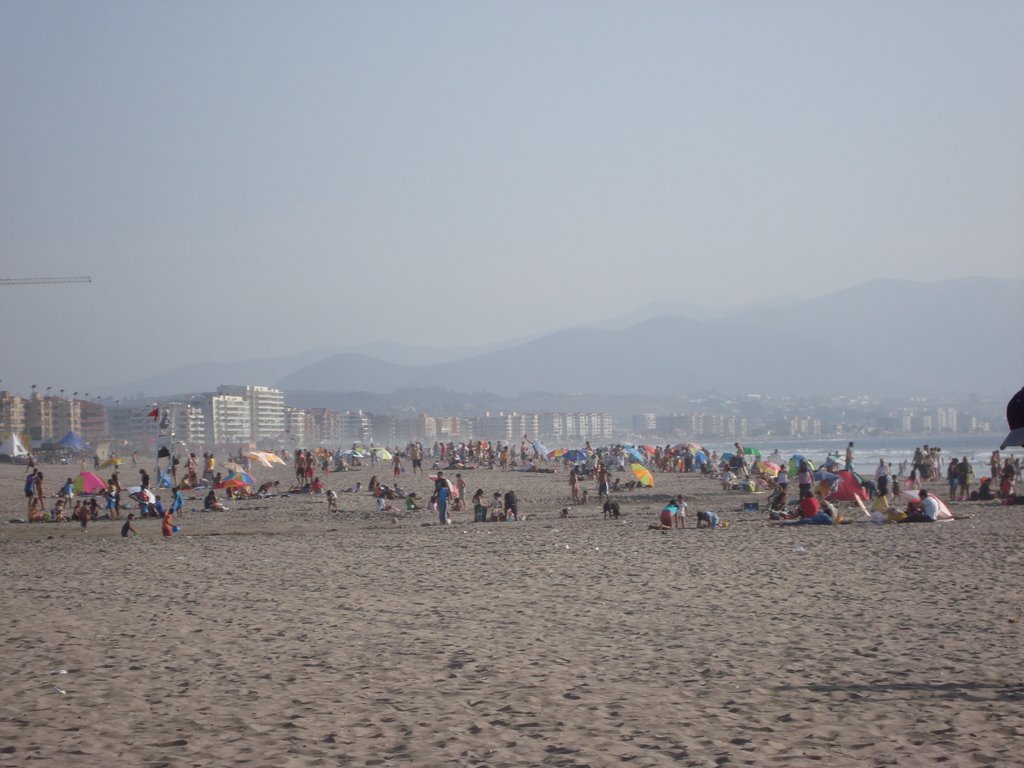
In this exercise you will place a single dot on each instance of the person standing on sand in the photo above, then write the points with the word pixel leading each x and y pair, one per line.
pixel 396 465
pixel 602 482
pixel 511 506
pixel 849 457
pixel 574 485
pixel 40 493
pixel 442 492
pixel 966 473
pixel 953 477
pixel 30 489
pixel 127 527
pixel 167 526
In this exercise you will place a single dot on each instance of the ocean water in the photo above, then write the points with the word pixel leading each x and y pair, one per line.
pixel 868 450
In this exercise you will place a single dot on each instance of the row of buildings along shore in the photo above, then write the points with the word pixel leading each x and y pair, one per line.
pixel 257 416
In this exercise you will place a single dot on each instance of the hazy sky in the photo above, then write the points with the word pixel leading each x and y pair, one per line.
pixel 245 178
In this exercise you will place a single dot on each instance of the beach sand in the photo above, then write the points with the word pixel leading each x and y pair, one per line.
pixel 277 634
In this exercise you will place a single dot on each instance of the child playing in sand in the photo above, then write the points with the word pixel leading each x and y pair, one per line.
pixel 332 501
pixel 497 508
pixel 127 527
pixel 728 478
pixel 709 519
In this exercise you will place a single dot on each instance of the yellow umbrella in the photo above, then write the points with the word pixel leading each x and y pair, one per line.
pixel 643 474
pixel 266 458
pixel 383 454
pixel 113 461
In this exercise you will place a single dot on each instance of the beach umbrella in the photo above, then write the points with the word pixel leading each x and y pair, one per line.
pixel 231 466
pixel 89 484
pixel 794 463
pixel 452 489
pixel 354 454
pixel 752 452
pixel 767 468
pixel 239 477
pixel 700 457
pixel 683 446
pixel 576 454
pixel 633 454
pixel 382 454
pixel 558 453
pixel 232 482
pixel 138 494
pixel 113 461
pixel 266 458
pixel 726 456
pixel 651 450
pixel 643 474
pixel 822 476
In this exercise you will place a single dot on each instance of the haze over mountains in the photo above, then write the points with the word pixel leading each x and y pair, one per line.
pixel 884 337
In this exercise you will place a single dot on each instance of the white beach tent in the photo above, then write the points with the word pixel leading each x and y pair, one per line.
pixel 12 447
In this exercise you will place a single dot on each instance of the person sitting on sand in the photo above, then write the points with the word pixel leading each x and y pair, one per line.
pixel 317 487
pixel 811 512
pixel 410 503
pixel 355 488
pixel 928 511
pixel 777 501
pixel 728 478
pixel 210 503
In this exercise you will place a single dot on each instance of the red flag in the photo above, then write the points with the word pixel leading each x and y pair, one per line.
pixel 154 414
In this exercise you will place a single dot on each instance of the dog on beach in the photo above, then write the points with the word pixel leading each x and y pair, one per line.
pixel 611 509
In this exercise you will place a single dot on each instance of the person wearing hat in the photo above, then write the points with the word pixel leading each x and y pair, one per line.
pixel 1015 419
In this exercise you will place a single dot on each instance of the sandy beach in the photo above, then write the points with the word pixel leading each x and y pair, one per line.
pixel 277 634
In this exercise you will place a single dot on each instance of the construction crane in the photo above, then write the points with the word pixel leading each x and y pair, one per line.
pixel 35 280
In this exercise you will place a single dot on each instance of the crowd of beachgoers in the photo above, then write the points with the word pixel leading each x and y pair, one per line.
pixel 889 492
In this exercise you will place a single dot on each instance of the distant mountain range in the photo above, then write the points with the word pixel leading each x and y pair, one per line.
pixel 884 337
